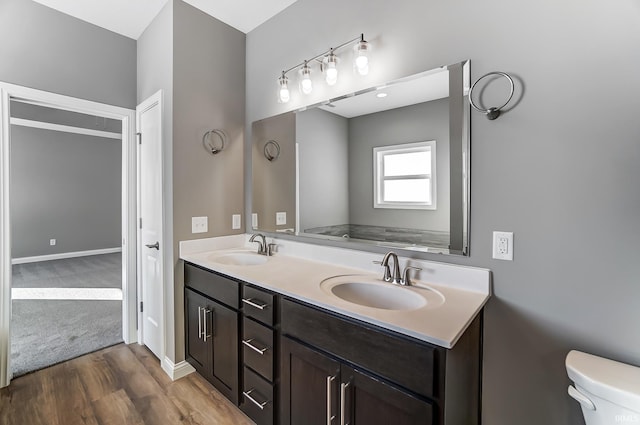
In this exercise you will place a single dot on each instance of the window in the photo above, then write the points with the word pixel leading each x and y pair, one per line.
pixel 405 176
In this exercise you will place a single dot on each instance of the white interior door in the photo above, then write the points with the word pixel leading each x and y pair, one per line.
pixel 150 242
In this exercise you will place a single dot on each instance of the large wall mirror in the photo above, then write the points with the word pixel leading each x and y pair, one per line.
pixel 387 166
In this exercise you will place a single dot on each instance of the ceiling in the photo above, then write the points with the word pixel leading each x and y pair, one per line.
pixel 131 17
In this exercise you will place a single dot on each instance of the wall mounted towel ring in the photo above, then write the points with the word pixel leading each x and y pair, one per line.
pixel 210 145
pixel 492 113
pixel 271 150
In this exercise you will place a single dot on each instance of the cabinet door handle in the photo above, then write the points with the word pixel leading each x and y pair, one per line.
pixel 199 322
pixel 252 303
pixel 330 417
pixel 247 394
pixel 206 335
pixel 343 402
pixel 248 343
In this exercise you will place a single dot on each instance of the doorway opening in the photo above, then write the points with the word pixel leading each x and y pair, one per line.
pixel 66 192
pixel 114 260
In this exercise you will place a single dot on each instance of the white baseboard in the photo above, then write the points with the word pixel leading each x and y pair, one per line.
pixel 176 371
pixel 63 255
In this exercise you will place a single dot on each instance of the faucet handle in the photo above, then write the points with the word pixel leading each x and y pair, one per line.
pixel 387 271
pixel 406 277
pixel 271 248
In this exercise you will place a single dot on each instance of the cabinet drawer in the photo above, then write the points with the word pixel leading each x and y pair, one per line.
pixel 409 363
pixel 257 398
pixel 258 304
pixel 257 348
pixel 213 285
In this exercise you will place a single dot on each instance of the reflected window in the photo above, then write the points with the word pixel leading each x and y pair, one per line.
pixel 405 176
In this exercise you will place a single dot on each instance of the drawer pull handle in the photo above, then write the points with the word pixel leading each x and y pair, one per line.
pixel 249 344
pixel 252 303
pixel 247 394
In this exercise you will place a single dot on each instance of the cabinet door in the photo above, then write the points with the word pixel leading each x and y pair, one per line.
pixel 222 325
pixel 368 401
pixel 310 383
pixel 198 350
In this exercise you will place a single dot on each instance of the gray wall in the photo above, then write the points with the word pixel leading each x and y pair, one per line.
pixel 64 186
pixel 559 169
pixel 323 153
pixel 199 64
pixel 51 51
pixel 275 180
pixel 416 123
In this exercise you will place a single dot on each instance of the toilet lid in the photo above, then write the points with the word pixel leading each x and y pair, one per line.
pixel 616 382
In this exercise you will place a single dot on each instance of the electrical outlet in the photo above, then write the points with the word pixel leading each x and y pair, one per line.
pixel 52 242
pixel 254 220
pixel 281 218
pixel 503 246
pixel 236 221
pixel 199 224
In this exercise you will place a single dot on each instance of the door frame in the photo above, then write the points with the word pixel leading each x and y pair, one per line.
pixel 150 102
pixel 127 117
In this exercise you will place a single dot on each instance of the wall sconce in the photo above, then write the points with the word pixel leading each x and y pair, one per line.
pixel 328 61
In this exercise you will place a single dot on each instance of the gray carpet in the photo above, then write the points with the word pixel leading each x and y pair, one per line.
pixel 46 332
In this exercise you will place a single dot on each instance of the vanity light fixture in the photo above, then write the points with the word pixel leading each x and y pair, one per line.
pixel 328 61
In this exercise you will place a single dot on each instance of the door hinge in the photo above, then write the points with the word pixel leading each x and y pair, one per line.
pixel 141 222
pixel 141 309
pixel 139 138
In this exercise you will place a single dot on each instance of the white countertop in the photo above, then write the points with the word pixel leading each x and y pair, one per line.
pixel 300 278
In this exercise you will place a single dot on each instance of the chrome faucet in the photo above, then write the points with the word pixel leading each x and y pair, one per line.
pixel 388 277
pixel 396 277
pixel 263 248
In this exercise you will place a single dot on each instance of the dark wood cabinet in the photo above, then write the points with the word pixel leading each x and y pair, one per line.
pixel 211 333
pixel 337 370
pixel 319 389
pixel 283 361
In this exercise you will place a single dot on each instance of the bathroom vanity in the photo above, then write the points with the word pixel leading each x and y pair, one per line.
pixel 270 335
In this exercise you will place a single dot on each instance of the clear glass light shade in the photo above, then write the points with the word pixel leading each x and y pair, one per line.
pixel 361 57
pixel 330 63
pixel 306 86
pixel 283 89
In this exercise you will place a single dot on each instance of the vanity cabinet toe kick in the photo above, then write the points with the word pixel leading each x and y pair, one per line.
pixel 298 364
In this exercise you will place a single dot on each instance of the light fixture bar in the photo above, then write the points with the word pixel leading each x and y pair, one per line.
pixel 360 38
pixel 328 61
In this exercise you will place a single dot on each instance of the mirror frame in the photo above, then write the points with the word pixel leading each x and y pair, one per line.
pixel 384 246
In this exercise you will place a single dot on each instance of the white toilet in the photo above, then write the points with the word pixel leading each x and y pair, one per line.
pixel 608 391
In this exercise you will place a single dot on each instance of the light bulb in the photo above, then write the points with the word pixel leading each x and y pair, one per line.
pixel 361 59
pixel 283 89
pixel 305 82
pixel 330 69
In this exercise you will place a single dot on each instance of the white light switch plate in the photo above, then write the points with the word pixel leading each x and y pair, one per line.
pixel 254 220
pixel 503 246
pixel 281 218
pixel 199 224
pixel 236 221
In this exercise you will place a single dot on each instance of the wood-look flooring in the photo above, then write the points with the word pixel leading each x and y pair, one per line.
pixel 120 385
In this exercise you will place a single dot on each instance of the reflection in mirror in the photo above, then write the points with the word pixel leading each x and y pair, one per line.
pixel 386 166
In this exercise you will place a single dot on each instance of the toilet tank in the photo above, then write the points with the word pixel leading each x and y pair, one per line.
pixel 608 391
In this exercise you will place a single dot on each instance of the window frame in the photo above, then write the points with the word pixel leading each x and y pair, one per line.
pixel 378 177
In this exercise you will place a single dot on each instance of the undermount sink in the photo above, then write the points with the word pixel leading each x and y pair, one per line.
pixel 239 258
pixel 375 293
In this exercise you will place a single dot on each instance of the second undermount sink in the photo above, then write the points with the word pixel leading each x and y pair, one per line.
pixel 238 258
pixel 374 293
